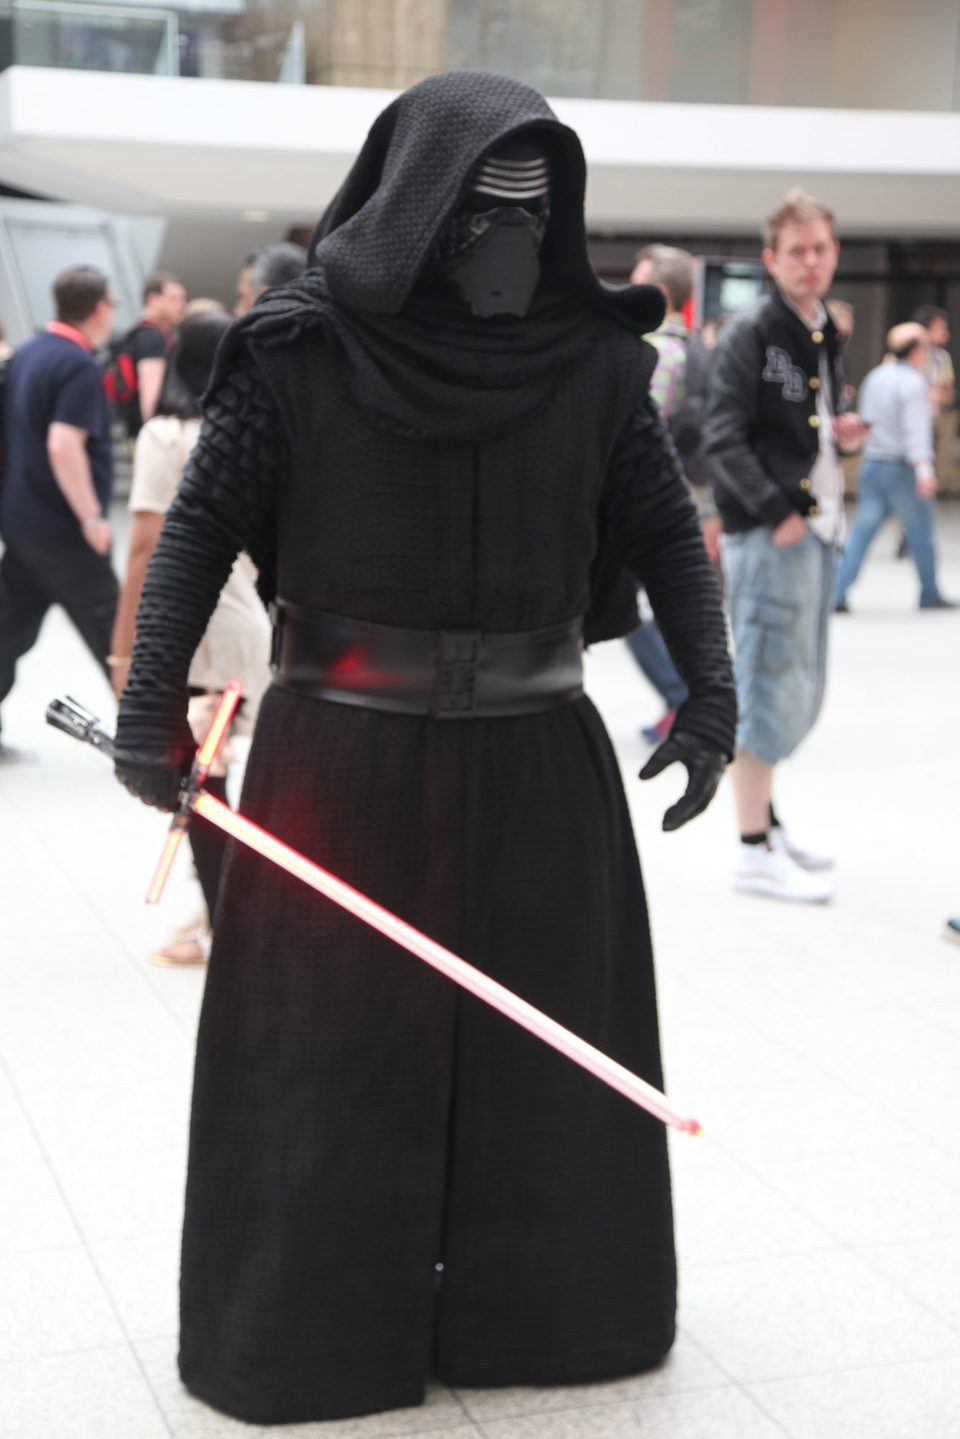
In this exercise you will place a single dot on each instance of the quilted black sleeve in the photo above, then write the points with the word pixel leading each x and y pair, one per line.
pixel 226 503
pixel 656 526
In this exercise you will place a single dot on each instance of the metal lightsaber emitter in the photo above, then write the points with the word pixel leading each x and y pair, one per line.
pixel 71 717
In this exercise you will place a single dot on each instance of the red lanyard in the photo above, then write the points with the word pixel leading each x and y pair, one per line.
pixel 67 332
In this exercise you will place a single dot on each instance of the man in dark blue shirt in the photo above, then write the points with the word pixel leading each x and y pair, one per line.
pixel 57 479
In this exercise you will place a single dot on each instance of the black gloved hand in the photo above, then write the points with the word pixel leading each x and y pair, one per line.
pixel 705 766
pixel 154 775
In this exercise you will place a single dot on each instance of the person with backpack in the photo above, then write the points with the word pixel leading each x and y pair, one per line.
pixel 138 361
pixel 679 387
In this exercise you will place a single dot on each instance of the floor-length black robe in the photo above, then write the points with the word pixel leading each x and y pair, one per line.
pixel 357 1121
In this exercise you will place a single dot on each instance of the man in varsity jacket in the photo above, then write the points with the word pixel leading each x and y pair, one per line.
pixel 773 434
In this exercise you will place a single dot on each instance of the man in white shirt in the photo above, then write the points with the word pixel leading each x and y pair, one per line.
pixel 897 476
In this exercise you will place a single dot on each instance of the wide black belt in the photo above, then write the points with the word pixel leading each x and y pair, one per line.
pixel 450 674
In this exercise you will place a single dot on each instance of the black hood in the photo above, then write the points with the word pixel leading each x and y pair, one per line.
pixel 412 363
pixel 375 237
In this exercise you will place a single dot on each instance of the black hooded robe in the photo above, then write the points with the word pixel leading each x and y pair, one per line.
pixel 358 1122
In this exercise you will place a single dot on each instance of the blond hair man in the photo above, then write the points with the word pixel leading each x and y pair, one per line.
pixel 773 434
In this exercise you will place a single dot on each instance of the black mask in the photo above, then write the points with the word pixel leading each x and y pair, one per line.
pixel 489 247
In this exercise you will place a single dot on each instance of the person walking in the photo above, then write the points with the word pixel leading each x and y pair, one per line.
pixel 897 476
pixel 679 388
pixel 940 373
pixel 772 432
pixel 58 480
pixel 138 362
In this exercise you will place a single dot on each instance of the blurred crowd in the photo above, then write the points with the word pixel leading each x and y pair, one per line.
pixel 763 416
pixel 759 410
pixel 73 397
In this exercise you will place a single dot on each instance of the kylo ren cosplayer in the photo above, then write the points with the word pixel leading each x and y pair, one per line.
pixel 438 447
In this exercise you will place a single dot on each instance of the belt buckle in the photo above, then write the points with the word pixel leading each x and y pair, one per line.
pixel 455 687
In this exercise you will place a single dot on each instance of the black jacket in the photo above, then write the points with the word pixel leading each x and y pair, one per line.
pixel 762 429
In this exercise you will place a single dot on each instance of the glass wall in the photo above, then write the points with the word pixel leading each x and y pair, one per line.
pixel 872 54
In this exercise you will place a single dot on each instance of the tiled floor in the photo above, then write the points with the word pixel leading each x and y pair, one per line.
pixel 818 1217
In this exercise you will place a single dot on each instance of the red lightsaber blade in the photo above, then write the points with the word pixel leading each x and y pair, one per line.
pixel 462 973
pixel 73 719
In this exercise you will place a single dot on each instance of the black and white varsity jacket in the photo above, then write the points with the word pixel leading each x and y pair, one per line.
pixel 762 430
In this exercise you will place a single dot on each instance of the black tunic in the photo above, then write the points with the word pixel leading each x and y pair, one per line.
pixel 357 1121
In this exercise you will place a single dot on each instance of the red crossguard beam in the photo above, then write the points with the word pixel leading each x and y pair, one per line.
pixel 205 757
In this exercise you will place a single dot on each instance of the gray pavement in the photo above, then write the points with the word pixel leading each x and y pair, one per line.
pixel 818 1217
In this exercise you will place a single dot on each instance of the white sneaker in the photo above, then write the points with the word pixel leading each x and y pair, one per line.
pixel 768 869
pixel 800 853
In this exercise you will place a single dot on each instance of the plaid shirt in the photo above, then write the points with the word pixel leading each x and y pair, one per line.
pixel 669 389
pixel 669 386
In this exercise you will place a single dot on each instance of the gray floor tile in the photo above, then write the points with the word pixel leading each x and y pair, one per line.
pixel 119 1044
pixel 925 1095
pixel 112 1053
pixel 929 1269
pixel 817 1116
pixel 797 985
pixel 713 1414
pixel 107 1120
pixel 98 1395
pixel 142 1278
pixel 35 1213
pixel 735 1053
pixel 440 1416
pixel 686 1005
pixel 180 990
pixel 126 1196
pixel 883 1196
pixel 872 1045
pixel 685 1369
pixel 53 1302
pixel 781 1317
pixel 16 1136
pixel 724 1213
pixel 901 1401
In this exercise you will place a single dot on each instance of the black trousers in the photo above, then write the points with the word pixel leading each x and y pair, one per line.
pixel 34 577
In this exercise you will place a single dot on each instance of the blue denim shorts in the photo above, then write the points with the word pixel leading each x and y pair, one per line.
pixel 779 602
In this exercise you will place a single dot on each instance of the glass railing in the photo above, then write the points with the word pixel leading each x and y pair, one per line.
pixel 94 37
pixel 833 53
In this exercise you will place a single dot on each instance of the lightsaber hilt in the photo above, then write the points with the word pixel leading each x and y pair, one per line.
pixel 69 715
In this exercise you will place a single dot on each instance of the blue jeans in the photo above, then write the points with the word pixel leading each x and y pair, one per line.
pixel 888 487
pixel 649 649
pixel 779 601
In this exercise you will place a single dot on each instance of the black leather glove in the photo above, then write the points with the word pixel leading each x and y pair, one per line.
pixel 705 766
pixel 154 775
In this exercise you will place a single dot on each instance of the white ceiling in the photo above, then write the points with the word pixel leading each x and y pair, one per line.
pixel 220 150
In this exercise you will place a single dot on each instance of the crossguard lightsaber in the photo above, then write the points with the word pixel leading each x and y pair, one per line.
pixel 74 720
pixel 193 785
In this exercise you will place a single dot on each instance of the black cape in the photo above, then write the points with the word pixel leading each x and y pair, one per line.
pixel 357 1121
